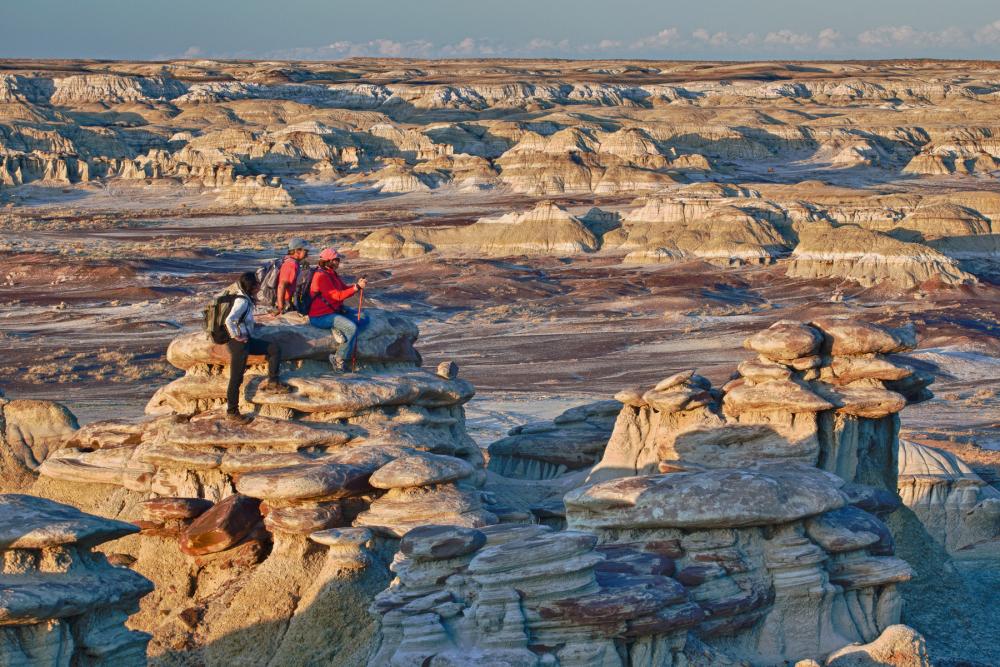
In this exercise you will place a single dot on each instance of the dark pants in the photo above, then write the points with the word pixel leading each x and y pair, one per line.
pixel 238 353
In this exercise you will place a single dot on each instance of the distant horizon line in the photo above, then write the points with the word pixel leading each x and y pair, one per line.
pixel 16 59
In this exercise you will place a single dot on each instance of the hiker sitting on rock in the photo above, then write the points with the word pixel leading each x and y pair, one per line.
pixel 240 325
pixel 327 310
pixel 298 250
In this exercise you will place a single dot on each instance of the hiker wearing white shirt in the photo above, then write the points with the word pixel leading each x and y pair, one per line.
pixel 241 326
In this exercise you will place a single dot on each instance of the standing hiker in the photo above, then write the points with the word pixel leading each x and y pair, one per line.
pixel 240 325
pixel 298 250
pixel 327 310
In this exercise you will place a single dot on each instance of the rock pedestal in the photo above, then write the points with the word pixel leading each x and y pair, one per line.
pixel 60 603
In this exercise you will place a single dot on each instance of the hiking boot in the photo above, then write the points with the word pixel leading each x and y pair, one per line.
pixel 275 387
pixel 237 418
pixel 339 365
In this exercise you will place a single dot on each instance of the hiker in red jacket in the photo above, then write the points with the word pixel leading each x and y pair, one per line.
pixel 298 250
pixel 327 310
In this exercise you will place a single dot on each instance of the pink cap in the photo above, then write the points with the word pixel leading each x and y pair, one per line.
pixel 328 254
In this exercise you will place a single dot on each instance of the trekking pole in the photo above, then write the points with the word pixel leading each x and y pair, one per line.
pixel 357 334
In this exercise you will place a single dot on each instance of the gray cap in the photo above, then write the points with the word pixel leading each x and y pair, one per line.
pixel 298 244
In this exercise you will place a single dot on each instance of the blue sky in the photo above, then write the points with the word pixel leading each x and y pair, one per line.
pixel 332 29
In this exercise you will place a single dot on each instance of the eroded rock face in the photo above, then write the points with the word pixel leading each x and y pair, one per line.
pixel 956 507
pixel 276 513
pixel 31 430
pixel 59 602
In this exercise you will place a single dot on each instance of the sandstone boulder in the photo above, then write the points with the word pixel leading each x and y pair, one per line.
pixel 222 526
pixel 304 482
pixel 420 469
pixel 441 542
pixel 845 337
pixel 785 340
pixel 897 646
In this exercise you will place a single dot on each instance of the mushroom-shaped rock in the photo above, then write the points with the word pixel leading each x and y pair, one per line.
pixel 420 469
pixel 317 480
pixel 631 396
pixel 357 537
pixel 776 396
pixel 677 398
pixel 402 509
pixel 28 522
pixel 675 380
pixel 846 337
pixel 303 519
pixel 708 499
pixel 785 339
pixel 441 542
pixel 59 603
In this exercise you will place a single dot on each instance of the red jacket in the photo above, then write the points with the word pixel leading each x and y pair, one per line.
pixel 328 285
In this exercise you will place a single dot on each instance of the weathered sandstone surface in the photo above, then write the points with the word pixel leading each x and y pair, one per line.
pixel 61 603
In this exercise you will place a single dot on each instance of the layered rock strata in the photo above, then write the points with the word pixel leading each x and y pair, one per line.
pixel 61 603
pixel 313 493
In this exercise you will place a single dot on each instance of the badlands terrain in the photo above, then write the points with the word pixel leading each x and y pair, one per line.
pixel 561 230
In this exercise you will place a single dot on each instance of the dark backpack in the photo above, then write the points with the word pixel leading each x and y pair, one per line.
pixel 215 318
pixel 302 296
pixel 267 278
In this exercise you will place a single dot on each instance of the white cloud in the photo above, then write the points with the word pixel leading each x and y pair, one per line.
pixel 671 42
pixel 904 35
pixel 989 33
pixel 796 40
pixel 193 52
pixel 666 37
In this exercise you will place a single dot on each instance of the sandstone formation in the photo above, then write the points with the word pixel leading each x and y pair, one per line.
pixel 29 432
pixel 61 603
pixel 870 258
pixel 724 525
pixel 957 508
pixel 289 518
pixel 545 230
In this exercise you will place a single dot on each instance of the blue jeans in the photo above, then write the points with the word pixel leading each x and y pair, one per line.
pixel 346 322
